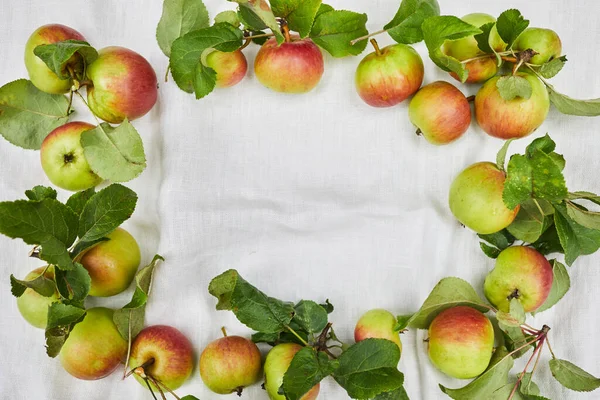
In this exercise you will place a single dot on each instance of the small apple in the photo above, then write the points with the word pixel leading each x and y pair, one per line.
pixel 389 76
pixel 522 273
pixel 510 119
pixel 123 85
pixel 230 364
pixel 461 342
pixel 63 160
pixel 441 112
pixel 295 66
pixel 166 354
pixel 32 305
pixel 230 67
pixel 95 348
pixel 112 264
pixel 377 324
pixel 39 73
pixel 276 364
pixel 476 199
pixel 545 42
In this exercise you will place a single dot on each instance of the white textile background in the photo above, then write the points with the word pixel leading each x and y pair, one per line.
pixel 313 196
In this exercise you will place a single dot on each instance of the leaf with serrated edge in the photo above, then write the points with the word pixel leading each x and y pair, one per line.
pixel 544 144
pixel 510 25
pixel 572 377
pixel 514 339
pixel 229 16
pixel 334 30
pixel 40 193
pixel 552 67
pixel 310 316
pixel 560 286
pixel 308 368
pixel 74 284
pixel 532 220
pixel 61 320
pixel 178 18
pixel 299 14
pixel 571 106
pixel 260 10
pixel 575 239
pixel 402 322
pixel 59 55
pixel 490 251
pixel 40 284
pixel 398 394
pixel 406 25
pixel 583 217
pixel 511 87
pixel 78 200
pixel 501 156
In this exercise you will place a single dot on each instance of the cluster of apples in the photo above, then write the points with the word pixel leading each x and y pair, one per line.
pixel 439 110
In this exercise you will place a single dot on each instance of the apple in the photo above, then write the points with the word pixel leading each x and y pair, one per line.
pixel 112 264
pixel 39 73
pixel 276 364
pixel 295 66
pixel 377 324
pixel 32 305
pixel 230 364
pixel 230 67
pixel 476 199
pixel 389 76
pixel 522 273
pixel 123 85
pixel 511 119
pixel 167 354
pixel 441 112
pixel 94 349
pixel 545 42
pixel 63 160
pixel 461 342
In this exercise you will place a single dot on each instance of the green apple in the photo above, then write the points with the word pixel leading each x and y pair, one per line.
pixel 231 67
pixel 32 305
pixel 377 324
pixel 95 348
pixel 545 42
pixel 63 159
pixel 522 273
pixel 112 264
pixel 276 364
pixel 461 342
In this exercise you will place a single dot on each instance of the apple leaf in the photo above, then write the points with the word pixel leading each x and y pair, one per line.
pixel 594 198
pixel 518 185
pixel 483 39
pixel 560 286
pixel 533 219
pixel 406 25
pixel 544 144
pixel 28 115
pixel 572 377
pixel 82 246
pixel 369 368
pixel 510 25
pixel 62 318
pixel 252 307
pixel 549 242
pixel 500 240
pixel 260 16
pixel 494 378
pixel 78 200
pixel 327 306
pixel 582 216
pixel 527 386
pixel 449 292
pixel 438 29
pixel 58 57
pixel 189 397
pixel 552 67
pixel 516 316
pixel 569 105
pixel 299 14
pixel 397 394
pixel 501 155
pixel 513 86
pixel 334 30
pixel 188 71
pixel 310 316
pixel 514 339
pixel 40 284
pixel 115 154
pixel 402 322
pixel 231 17
pixel 73 285
pixel 40 193
pixel 178 18
pixel 490 251
pixel 308 368
pixel 575 239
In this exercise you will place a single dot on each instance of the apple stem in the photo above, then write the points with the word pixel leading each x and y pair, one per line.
pixel 536 352
pixel 418 132
pixel 550 347
pixel 471 99
pixel 167 74
pixel 246 43
pixel 262 35
pixel 35 253
pixel 376 46
pixel 150 389
pixel 70 102
pixel 353 42
pixel 239 391
pixel 157 382
pixel 286 31
pixel 224 331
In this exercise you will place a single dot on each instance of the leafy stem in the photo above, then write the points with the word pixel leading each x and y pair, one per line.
pixel 293 332
pixel 87 105
pixel 353 42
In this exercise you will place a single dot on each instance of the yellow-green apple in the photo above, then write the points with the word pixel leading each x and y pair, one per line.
pixel 165 354
pixel 112 264
pixel 520 273
pixel 389 76
pixel 39 73
pixel 545 42
pixel 276 364
pixel 377 324
pixel 63 160
pixel 511 119
pixel 480 70
pixel 32 305
pixel 95 348
pixel 295 66
pixel 441 112
pixel 230 67
pixel 230 364
pixel 476 199
pixel 461 342
pixel 123 85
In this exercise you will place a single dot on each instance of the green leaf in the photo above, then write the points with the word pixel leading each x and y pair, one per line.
pixel 406 25
pixel 545 144
pixel 527 386
pixel 583 217
pixel 501 156
pixel 310 316
pixel 39 193
pixel 490 251
pixel 189 397
pixel 438 29
pixel 515 339
pixel 59 56
pixel 47 223
pixel 78 200
pixel 532 220
pixel 594 198
pixel 516 316
pixel 572 377
pixel 116 154
pixel 259 10
pixel 560 286
pixel 449 292
pixel 231 17
pixel 308 368
pixel 513 86
pixel 501 239
pixel 82 246
pixel 188 71
pixel 495 377
pixel 402 322
pixel 328 306
pixel 566 104
pixel 40 284
pixel 510 25
pixel 483 39
pixel 74 284
pixel 518 185
pixel 552 67
pixel 61 320
pixel 269 338
pixel 178 18
pixel 300 14
pixel 575 239
pixel 28 115
pixel 549 242
pixel 398 394
pixel 252 307
pixel 334 30
pixel 369 368
pixel 106 211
